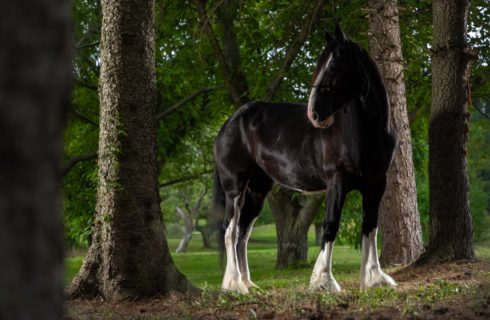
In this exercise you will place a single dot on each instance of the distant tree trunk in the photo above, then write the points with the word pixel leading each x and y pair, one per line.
pixel 129 256
pixel 35 81
pixel 401 235
pixel 206 232
pixel 318 233
pixel 293 219
pixel 450 223
pixel 188 227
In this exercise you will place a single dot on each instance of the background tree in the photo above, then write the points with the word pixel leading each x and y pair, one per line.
pixel 401 235
pixel 190 217
pixel 451 232
pixel 35 84
pixel 129 255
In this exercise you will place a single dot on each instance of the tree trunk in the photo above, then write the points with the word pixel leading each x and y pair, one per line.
pixel 401 235
pixel 35 81
pixel 206 234
pixel 318 233
pixel 450 223
pixel 129 256
pixel 293 218
pixel 188 228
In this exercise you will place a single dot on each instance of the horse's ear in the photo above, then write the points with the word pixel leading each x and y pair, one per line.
pixel 328 37
pixel 339 34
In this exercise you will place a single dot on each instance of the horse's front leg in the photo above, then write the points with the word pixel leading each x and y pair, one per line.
pixel 371 273
pixel 322 277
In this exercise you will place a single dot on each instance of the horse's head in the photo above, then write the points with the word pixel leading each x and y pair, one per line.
pixel 338 79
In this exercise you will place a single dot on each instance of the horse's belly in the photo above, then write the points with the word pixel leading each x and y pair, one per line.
pixel 297 180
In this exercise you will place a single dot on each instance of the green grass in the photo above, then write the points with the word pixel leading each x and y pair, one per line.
pixel 201 266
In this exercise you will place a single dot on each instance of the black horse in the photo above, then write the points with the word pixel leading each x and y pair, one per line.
pixel 341 141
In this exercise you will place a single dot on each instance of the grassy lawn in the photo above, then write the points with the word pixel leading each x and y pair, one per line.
pixel 448 291
pixel 201 266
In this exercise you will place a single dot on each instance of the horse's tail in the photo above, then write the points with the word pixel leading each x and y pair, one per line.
pixel 219 205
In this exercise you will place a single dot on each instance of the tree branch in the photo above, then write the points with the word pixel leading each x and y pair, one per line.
pixel 182 102
pixel 234 83
pixel 183 179
pixel 294 49
pixel 84 118
pixel 73 161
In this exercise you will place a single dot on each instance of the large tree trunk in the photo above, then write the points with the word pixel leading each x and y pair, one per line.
pixel 450 224
pixel 401 235
pixel 129 256
pixel 293 218
pixel 35 80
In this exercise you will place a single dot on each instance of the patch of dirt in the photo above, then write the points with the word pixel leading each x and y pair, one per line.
pixel 412 299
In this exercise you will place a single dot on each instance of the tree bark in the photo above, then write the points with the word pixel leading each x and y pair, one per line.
pixel 188 228
pixel 293 217
pixel 450 223
pixel 318 233
pixel 129 256
pixel 35 81
pixel 399 220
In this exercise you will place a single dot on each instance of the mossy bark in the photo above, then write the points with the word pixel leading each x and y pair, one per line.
pixel 450 223
pixel 399 219
pixel 129 256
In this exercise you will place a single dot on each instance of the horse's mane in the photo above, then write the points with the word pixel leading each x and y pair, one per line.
pixel 375 87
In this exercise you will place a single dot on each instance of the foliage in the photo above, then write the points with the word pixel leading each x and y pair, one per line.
pixel 185 63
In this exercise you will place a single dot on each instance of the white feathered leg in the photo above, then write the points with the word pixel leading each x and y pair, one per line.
pixel 232 279
pixel 371 273
pixel 322 277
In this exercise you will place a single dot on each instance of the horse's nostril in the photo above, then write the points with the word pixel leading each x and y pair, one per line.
pixel 314 116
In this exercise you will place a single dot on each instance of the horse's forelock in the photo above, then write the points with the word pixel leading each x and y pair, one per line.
pixel 321 62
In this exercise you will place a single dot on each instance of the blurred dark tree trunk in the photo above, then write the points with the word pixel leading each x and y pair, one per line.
pixel 293 214
pixel 35 81
pixel 450 223
pixel 399 219
pixel 129 256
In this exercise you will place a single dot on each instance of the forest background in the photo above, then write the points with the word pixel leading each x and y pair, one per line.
pixel 193 102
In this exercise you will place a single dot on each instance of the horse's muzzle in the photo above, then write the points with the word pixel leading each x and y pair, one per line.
pixel 321 124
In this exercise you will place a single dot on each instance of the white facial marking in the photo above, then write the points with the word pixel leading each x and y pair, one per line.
pixel 371 273
pixel 322 277
pixel 319 77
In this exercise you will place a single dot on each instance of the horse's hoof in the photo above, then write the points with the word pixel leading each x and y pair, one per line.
pixel 325 283
pixel 236 286
pixel 251 284
pixel 376 278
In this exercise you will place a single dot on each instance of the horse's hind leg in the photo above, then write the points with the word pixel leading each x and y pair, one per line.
pixel 232 279
pixel 254 200
pixel 371 273
pixel 322 277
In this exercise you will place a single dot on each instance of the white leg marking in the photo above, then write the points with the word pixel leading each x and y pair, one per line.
pixel 371 273
pixel 322 277
pixel 232 279
pixel 243 260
